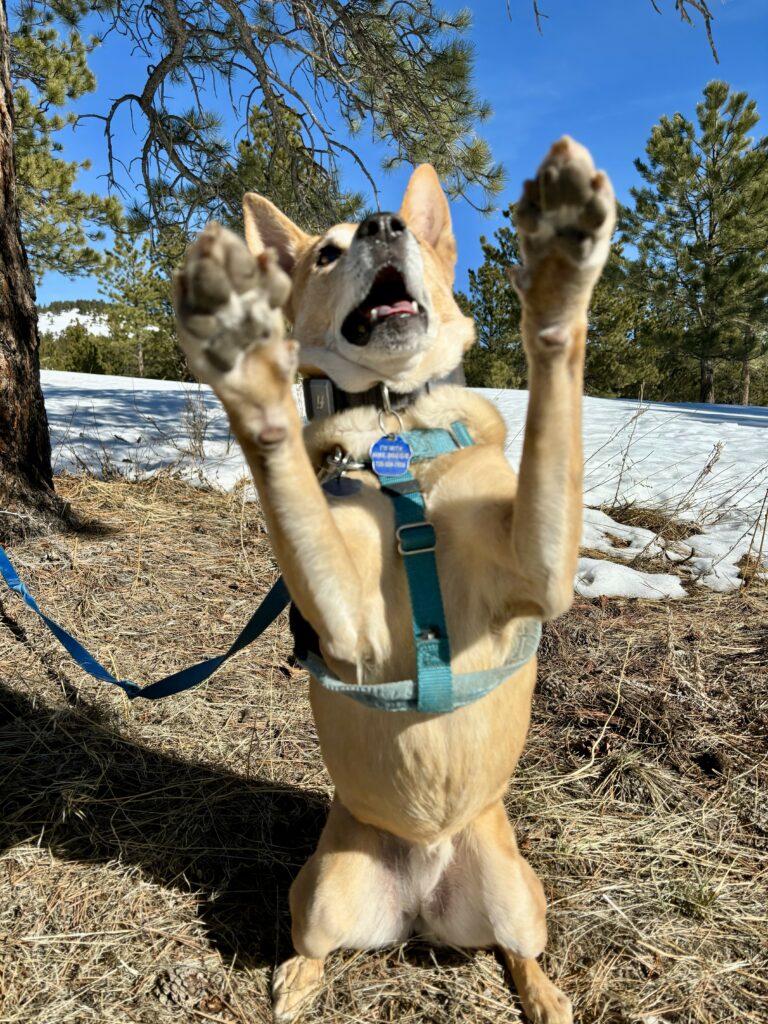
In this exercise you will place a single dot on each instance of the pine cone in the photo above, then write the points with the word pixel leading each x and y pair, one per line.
pixel 180 986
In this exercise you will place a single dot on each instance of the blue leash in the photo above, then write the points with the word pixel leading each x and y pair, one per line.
pixel 275 601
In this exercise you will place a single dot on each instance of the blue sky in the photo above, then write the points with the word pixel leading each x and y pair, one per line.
pixel 603 71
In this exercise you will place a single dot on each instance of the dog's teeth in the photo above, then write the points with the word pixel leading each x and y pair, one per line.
pixel 374 315
pixel 415 307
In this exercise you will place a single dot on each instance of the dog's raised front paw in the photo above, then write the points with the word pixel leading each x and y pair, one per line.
pixel 568 207
pixel 227 302
pixel 564 219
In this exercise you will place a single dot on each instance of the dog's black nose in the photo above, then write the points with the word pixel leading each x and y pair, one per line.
pixel 385 226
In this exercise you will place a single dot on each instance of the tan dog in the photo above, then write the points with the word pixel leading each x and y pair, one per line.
pixel 417 840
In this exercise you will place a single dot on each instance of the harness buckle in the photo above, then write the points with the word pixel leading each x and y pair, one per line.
pixel 410 545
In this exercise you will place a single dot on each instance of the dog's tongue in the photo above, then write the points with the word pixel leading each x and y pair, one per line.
pixel 403 306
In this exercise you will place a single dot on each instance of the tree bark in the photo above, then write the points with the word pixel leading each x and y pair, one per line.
pixel 745 380
pixel 707 390
pixel 26 479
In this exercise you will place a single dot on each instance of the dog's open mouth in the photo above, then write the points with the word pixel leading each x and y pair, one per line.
pixel 387 301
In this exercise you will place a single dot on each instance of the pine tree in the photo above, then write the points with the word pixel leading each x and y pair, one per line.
pixel 701 230
pixel 74 350
pixel 47 72
pixel 623 357
pixel 308 192
pixel 142 336
pixel 497 359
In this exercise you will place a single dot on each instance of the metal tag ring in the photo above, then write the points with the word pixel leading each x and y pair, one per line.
pixel 383 413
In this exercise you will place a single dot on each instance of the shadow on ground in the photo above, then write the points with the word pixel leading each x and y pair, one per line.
pixel 71 784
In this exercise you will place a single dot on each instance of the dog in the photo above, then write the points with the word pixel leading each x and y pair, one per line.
pixel 417 839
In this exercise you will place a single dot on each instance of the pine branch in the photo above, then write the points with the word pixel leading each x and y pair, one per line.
pixel 398 68
pixel 700 7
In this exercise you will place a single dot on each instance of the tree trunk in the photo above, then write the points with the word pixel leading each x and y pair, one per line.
pixel 745 380
pixel 707 392
pixel 26 479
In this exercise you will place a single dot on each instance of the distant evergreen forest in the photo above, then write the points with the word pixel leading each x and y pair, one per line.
pixel 84 305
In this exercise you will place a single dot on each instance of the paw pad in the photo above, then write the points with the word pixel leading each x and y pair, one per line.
pixel 567 207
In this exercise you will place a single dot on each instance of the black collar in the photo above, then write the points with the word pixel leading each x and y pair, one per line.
pixel 324 398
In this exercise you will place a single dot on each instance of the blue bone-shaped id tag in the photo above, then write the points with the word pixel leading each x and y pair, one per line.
pixel 390 455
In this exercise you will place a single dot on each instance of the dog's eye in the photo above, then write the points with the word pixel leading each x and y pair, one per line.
pixel 328 254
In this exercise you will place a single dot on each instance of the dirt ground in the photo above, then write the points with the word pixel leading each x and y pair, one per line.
pixel 147 849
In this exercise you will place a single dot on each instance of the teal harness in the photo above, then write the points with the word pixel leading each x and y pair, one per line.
pixel 435 690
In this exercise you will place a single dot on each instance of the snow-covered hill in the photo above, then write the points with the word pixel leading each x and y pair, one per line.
pixel 55 323
pixel 704 464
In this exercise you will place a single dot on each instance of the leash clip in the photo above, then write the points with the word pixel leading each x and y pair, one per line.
pixel 332 474
pixel 337 463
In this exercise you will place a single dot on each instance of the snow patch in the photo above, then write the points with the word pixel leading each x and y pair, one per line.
pixel 704 464
pixel 57 323
pixel 596 578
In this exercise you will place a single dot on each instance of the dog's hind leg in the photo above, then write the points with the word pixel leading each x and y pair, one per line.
pixel 490 896
pixel 565 219
pixel 345 897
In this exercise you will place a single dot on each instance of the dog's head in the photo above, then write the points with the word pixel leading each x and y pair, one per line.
pixel 372 301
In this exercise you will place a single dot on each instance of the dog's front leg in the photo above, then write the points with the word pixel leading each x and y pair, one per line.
pixel 565 220
pixel 230 326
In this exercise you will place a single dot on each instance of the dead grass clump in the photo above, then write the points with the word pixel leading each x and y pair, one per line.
pixel 753 572
pixel 656 520
pixel 605 556
pixel 148 848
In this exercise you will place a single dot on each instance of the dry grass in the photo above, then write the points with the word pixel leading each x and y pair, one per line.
pixel 753 572
pixel 149 848
pixel 657 520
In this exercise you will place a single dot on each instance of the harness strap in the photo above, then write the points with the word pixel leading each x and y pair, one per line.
pixel 404 694
pixel 435 690
pixel 416 542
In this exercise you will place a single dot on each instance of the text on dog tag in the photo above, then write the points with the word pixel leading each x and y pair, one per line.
pixel 390 455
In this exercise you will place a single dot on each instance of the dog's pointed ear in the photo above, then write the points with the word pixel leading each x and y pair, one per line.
pixel 425 211
pixel 266 227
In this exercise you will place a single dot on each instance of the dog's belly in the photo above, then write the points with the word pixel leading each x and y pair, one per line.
pixel 423 778
pixel 431 893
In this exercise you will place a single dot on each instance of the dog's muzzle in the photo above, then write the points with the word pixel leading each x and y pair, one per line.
pixel 389 312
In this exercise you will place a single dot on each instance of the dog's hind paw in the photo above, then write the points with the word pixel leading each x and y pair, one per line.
pixel 542 1001
pixel 551 1007
pixel 227 302
pixel 568 207
pixel 294 986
